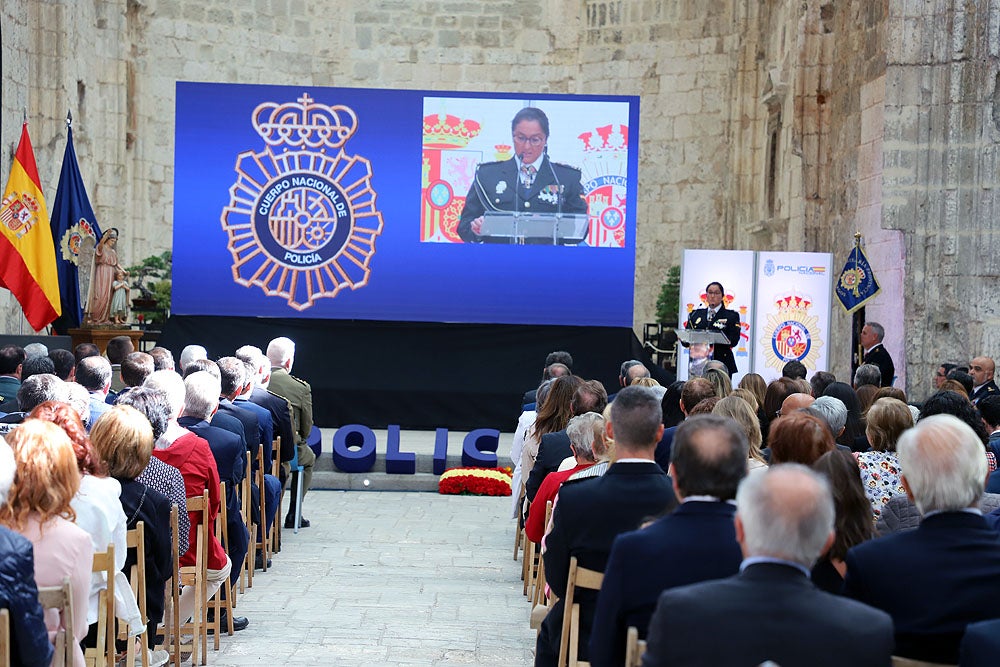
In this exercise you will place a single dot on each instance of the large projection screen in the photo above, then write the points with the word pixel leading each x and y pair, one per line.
pixel 299 201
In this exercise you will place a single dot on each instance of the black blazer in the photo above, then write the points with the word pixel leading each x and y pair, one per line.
pixel 143 503
pixel 552 449
pixel 933 581
pixel 771 612
pixel 881 358
pixel 251 427
pixel 726 322
pixel 589 515
pixel 987 389
pixel 281 416
pixel 696 542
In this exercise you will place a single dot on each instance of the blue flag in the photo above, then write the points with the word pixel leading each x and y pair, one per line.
pixel 856 285
pixel 73 222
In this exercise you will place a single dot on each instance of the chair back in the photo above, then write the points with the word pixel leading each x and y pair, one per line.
pixel 899 661
pixel 171 620
pixel 275 545
pixel 218 603
pixel 103 654
pixel 569 643
pixel 263 544
pixel 197 575
pixel 135 539
pixel 61 598
pixel 635 648
pixel 4 638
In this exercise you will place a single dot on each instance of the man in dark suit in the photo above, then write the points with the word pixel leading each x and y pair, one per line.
pixel 693 392
pixel 981 369
pixel 875 353
pixel 553 448
pixel 201 391
pixel 942 576
pixel 590 513
pixel 696 542
pixel 528 182
pixel 771 611
pixel 280 408
pixel 557 363
pixel 716 317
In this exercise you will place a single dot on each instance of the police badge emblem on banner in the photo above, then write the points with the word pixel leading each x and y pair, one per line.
pixel 856 285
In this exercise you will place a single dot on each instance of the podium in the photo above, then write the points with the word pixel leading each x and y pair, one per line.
pixel 518 227
pixel 700 343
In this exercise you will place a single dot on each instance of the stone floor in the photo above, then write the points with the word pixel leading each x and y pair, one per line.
pixel 389 578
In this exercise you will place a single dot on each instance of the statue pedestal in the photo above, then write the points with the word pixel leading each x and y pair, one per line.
pixel 101 336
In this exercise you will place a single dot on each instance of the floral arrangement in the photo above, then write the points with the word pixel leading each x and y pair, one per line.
pixel 476 482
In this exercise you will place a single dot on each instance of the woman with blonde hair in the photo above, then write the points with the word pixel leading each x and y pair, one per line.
pixel 38 507
pixel 742 413
pixel 756 385
pixel 720 381
pixel 880 471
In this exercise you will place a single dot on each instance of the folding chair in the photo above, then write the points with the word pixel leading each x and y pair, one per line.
pixel 61 598
pixel 579 577
pixel 263 544
pixel 171 618
pixel 4 638
pixel 276 471
pixel 197 575
pixel 218 603
pixel 103 655
pixel 518 525
pixel 246 498
pixel 135 539
pixel 539 603
pixel 635 648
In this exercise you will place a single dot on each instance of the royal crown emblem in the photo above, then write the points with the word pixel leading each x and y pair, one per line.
pixel 791 333
pixel 605 183
pixel 302 223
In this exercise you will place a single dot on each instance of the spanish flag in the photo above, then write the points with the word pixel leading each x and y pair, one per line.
pixel 27 253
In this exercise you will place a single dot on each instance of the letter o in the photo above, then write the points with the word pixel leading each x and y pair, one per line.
pixel 353 435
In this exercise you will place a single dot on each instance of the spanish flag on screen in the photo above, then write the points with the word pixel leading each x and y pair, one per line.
pixel 27 253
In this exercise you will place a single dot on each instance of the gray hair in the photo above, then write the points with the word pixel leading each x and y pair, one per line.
pixel 877 329
pixel 40 388
pixel 944 464
pixel 201 394
pixel 7 469
pixel 254 359
pixel 192 353
pixel 586 433
pixel 867 374
pixel 787 512
pixel 280 350
pixel 830 409
pixel 79 399
pixel 626 370
pixel 32 350
pixel 172 386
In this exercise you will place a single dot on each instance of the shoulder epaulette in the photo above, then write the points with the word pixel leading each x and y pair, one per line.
pixel 567 166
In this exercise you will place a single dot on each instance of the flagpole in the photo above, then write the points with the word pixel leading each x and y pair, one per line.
pixel 857 321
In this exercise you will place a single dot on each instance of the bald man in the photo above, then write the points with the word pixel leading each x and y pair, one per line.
pixel 795 402
pixel 981 369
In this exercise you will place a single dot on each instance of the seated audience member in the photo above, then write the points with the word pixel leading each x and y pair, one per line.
pixel 118 348
pixel 796 401
pixel 191 454
pixel 38 507
pixel 799 438
pixel 771 612
pixel 832 411
pixel 99 512
pixel 887 420
pixel 592 512
pixel 94 373
pixel 163 359
pixel 750 399
pixel 35 350
pixel 37 366
pixel 794 370
pixel 33 392
pixel 696 542
pixel 955 404
pixel 586 441
pixel 11 358
pixel 650 383
pixel 704 407
pixel 774 396
pixel 941 374
pixel 989 410
pixel 123 439
pixel 958 380
pixel 552 418
pixel 693 392
pixel 854 427
pixel 942 576
pixel 84 350
pixel 559 358
pixel 720 381
pixel 891 392
pixel 29 639
pixel 631 371
pixel 191 353
pixel 854 518
pixel 820 381
pixel 867 374
pixel 64 364
pixel 671 405
pixel 135 368
pixel 523 434
pixel 279 407
pixel 755 384
pixel 866 396
pixel 741 412
pixel 157 475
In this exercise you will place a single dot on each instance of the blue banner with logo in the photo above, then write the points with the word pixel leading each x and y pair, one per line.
pixel 73 223
pixel 367 204
pixel 856 284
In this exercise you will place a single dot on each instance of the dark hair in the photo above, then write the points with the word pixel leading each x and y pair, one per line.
pixel 695 391
pixel 625 372
pixel 953 403
pixel 794 369
pixel 854 511
pixel 709 455
pixel 84 350
pixel 163 359
pixel 704 406
pixel 152 403
pixel 203 365
pixel 989 408
pixel 93 372
pixel 591 396
pixel 555 412
pixel 636 417
pixel 855 426
pixel 136 367
pixel 799 438
pixel 891 392
pixel 531 113
pixel 776 394
pixel 948 368
pixel 37 366
pixel 559 357
pixel 11 356
pixel 716 282
pixel 963 378
pixel 231 371
pixel 820 381
pixel 671 404
pixel 118 348
pixel 63 361
pixel 866 396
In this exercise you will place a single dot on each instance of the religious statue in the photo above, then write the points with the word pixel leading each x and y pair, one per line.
pixel 119 298
pixel 103 280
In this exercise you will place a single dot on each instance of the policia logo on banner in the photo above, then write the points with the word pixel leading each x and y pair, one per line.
pixel 302 224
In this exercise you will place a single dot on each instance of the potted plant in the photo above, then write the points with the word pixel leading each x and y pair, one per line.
pixel 669 301
pixel 151 278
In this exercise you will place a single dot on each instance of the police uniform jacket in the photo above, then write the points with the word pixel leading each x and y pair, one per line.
pixel 299 394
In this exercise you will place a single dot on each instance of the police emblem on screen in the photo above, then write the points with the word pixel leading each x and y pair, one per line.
pixel 791 332
pixel 302 220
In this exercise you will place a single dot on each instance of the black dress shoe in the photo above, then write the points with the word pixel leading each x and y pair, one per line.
pixel 258 563
pixel 290 522
pixel 239 622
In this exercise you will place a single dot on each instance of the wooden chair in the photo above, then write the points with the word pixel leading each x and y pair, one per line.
pixel 218 603
pixel 539 603
pixel 635 648
pixel 246 498
pixel 171 618
pixel 197 575
pixel 264 544
pixel 276 471
pixel 136 539
pixel 518 526
pixel 103 655
pixel 61 598
pixel 4 638
pixel 899 661
pixel 569 645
